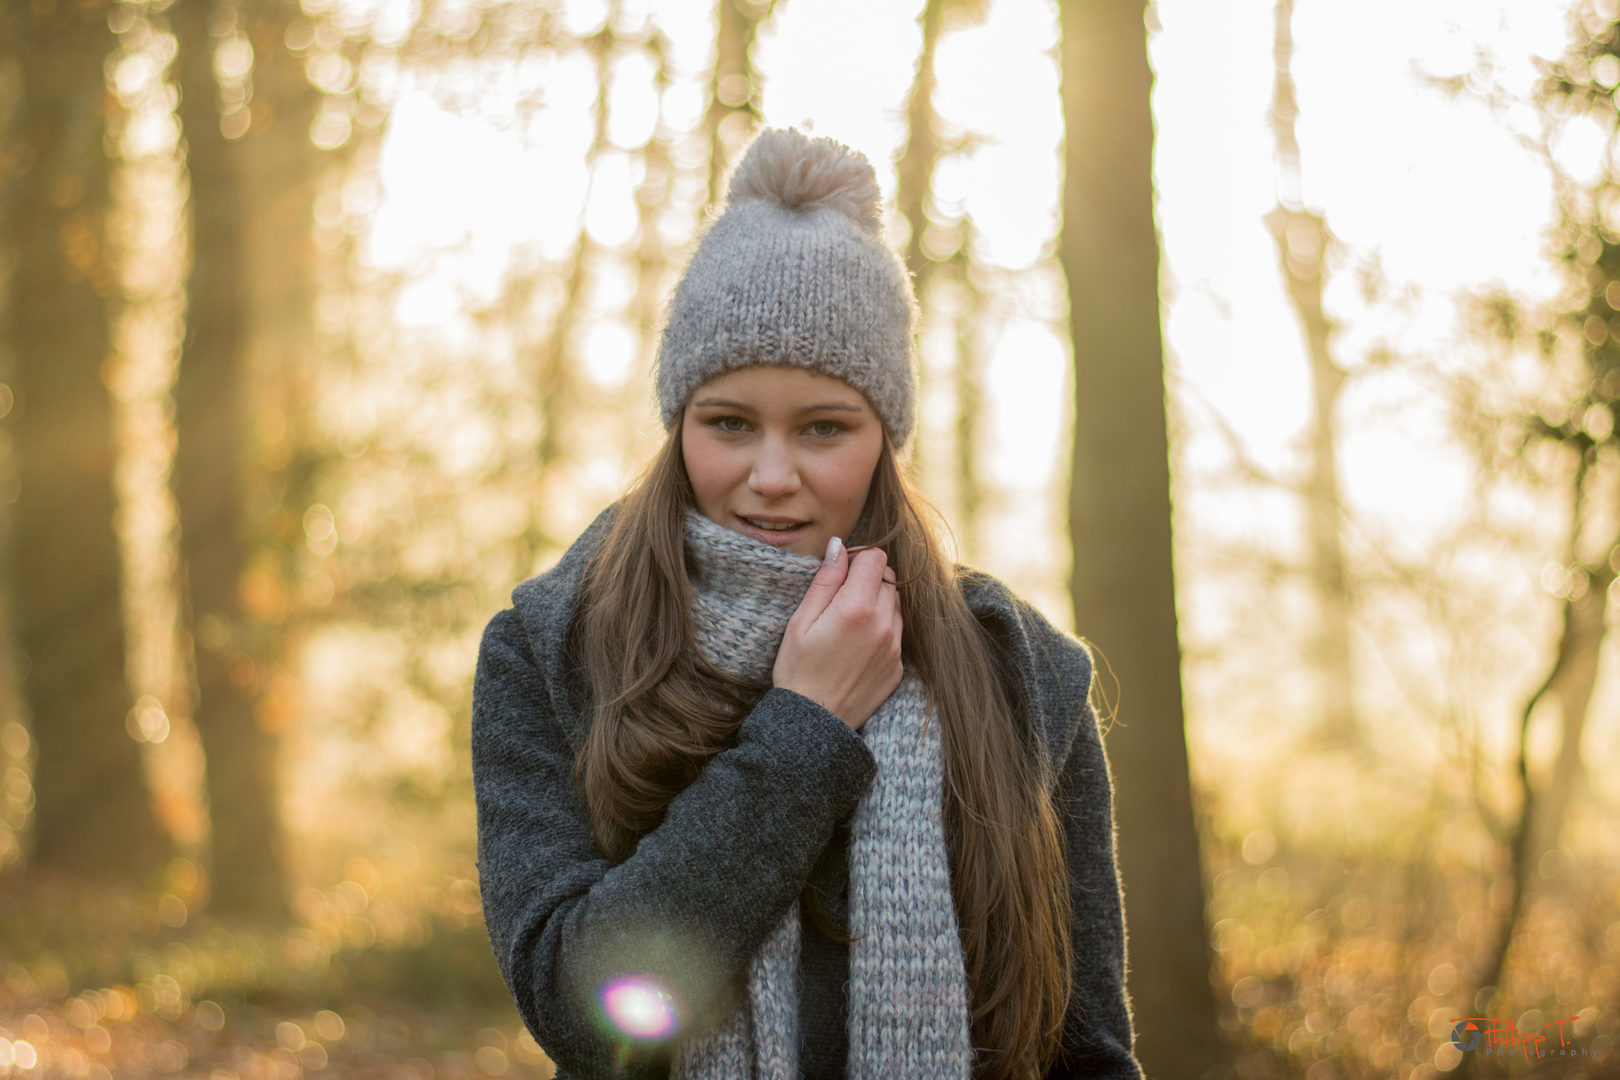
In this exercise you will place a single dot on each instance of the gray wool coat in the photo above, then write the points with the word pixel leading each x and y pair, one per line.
pixel 762 821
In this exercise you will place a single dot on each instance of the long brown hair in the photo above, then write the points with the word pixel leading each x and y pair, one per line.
pixel 661 711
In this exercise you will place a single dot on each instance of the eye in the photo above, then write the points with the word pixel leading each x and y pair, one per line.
pixel 728 425
pixel 825 429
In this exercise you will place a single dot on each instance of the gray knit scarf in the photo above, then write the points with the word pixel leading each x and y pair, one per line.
pixel 908 992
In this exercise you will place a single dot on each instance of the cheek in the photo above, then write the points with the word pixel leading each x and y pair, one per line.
pixel 847 477
pixel 708 467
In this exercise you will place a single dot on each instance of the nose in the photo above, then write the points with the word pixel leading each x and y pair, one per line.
pixel 775 474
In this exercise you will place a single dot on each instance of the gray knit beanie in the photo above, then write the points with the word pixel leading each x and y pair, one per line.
pixel 796 272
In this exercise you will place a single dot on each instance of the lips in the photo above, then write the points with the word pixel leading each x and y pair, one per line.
pixel 778 532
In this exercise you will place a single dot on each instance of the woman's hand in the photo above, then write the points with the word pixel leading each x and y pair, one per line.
pixel 842 646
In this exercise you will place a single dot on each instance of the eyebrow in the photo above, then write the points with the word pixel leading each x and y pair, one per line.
pixel 835 406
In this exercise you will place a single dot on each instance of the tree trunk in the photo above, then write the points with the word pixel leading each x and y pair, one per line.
pixel 914 189
pixel 914 171
pixel 914 182
pixel 280 172
pixel 553 359
pixel 651 256
pixel 970 500
pixel 211 493
pixel 92 811
pixel 1569 683
pixel 733 88
pixel 1123 580
pixel 1302 239
pixel 969 423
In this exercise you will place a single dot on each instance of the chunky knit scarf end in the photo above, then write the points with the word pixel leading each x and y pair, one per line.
pixel 908 992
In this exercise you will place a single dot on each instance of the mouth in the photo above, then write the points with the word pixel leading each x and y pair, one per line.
pixel 776 531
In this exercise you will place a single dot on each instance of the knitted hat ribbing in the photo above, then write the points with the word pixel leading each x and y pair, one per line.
pixel 796 272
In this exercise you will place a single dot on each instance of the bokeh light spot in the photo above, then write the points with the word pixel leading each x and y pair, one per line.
pixel 210 1016
pixel 639 1007
pixel 23 1054
pixel 329 1025
pixel 1259 846
pixel 172 910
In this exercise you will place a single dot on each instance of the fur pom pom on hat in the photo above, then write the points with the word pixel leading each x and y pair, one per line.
pixel 796 272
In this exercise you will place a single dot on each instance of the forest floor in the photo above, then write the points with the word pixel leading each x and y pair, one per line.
pixel 103 984
pixel 94 985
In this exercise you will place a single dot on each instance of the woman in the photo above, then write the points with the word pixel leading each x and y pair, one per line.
pixel 765 787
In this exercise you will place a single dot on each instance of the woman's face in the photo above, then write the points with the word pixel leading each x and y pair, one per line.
pixel 781 454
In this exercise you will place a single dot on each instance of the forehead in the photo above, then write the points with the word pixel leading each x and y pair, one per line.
pixel 769 386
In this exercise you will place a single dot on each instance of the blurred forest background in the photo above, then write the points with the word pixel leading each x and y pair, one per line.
pixel 324 323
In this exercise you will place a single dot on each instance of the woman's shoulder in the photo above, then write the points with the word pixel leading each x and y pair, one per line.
pixel 1004 612
pixel 1051 670
pixel 530 637
pixel 546 601
pixel 544 604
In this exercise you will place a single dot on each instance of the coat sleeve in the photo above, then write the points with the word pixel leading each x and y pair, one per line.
pixel 1054 682
pixel 1097 1034
pixel 683 913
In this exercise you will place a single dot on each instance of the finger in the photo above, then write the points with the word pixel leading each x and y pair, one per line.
pixel 866 573
pixel 889 602
pixel 829 579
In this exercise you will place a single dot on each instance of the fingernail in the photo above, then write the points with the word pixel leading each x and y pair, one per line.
pixel 835 548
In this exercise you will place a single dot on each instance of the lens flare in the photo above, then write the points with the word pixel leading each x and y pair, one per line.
pixel 639 1007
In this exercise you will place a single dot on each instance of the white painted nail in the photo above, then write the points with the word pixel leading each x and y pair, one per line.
pixel 835 548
